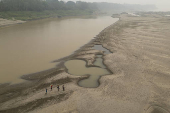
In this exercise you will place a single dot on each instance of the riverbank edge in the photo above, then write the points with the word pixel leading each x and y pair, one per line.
pixel 8 22
pixel 36 79
pixel 73 56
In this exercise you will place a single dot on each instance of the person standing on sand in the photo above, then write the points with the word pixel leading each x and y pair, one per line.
pixel 58 87
pixel 63 88
pixel 46 91
pixel 51 87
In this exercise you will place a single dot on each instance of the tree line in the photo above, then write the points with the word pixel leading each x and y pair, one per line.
pixel 41 5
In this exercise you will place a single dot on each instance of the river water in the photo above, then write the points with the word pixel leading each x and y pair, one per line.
pixel 32 46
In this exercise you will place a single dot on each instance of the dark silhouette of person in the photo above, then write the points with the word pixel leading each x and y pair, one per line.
pixel 63 88
pixel 58 87
pixel 51 87
pixel 46 91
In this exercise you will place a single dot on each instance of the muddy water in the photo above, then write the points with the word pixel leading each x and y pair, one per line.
pixel 78 68
pixel 99 61
pixel 30 47
pixel 101 48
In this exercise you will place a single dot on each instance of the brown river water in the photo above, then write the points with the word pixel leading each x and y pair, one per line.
pixel 31 47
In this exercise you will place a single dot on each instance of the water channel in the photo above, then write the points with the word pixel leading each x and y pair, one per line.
pixel 101 48
pixel 30 47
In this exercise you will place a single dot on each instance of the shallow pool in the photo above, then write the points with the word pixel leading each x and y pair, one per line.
pixel 79 68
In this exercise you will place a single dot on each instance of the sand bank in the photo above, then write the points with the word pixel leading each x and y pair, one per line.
pixel 139 84
pixel 5 22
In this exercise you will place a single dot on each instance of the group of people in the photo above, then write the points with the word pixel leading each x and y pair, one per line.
pixel 58 87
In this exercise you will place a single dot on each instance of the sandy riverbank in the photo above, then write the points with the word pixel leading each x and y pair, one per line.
pixel 139 83
pixel 5 22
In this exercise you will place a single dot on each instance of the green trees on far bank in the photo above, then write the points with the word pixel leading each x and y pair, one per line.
pixel 22 5
pixel 41 5
pixel 37 9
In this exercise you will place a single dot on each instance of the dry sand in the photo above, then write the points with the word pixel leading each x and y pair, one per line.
pixel 140 82
pixel 5 22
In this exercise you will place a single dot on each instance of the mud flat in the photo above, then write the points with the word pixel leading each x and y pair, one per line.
pixel 139 61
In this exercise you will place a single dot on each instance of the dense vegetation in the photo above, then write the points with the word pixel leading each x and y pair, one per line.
pixel 40 5
pixel 35 9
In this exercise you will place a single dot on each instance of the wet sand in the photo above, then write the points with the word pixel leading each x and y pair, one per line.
pixel 140 63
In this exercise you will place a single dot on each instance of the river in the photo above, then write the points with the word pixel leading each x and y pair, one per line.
pixel 32 46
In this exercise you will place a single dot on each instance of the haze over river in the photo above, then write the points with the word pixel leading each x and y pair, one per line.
pixel 32 46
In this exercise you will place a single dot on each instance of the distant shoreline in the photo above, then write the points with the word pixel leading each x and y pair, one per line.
pixel 10 20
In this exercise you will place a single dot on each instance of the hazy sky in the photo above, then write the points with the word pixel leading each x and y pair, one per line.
pixel 161 4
